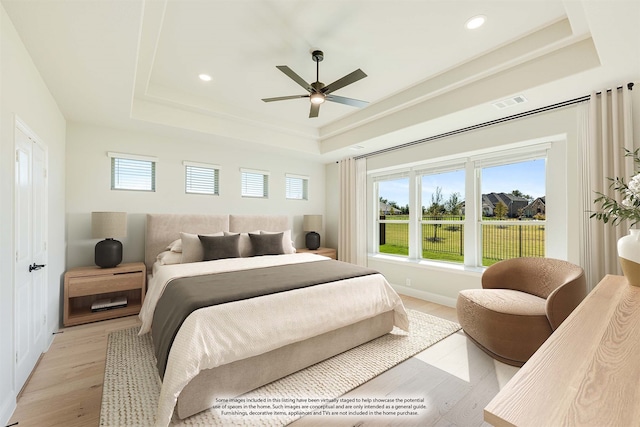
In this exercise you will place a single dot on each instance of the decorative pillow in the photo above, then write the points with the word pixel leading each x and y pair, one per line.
pixel 169 257
pixel 246 250
pixel 220 247
pixel 192 248
pixel 287 243
pixel 175 246
pixel 266 244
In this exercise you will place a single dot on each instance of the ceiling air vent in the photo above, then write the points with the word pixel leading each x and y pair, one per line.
pixel 510 102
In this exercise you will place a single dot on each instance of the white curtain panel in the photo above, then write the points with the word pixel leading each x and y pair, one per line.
pixel 352 225
pixel 606 130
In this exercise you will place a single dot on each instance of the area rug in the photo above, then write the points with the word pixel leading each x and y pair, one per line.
pixel 132 387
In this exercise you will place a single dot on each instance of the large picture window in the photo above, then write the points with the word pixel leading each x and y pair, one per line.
pixel 475 212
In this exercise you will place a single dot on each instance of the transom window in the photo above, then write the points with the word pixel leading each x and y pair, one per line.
pixel 255 183
pixel 297 187
pixel 201 178
pixel 132 172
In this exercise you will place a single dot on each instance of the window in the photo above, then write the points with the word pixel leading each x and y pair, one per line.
pixel 201 178
pixel 393 215
pixel 513 201
pixel 442 222
pixel 472 211
pixel 255 183
pixel 132 172
pixel 297 187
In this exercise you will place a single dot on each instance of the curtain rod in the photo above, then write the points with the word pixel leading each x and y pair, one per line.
pixel 489 123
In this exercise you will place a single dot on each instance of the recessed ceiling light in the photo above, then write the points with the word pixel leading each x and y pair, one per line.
pixel 205 77
pixel 356 147
pixel 475 22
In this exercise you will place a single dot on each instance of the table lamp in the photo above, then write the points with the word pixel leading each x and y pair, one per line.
pixel 312 223
pixel 107 226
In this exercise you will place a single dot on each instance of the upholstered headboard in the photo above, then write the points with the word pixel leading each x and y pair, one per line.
pixel 248 223
pixel 162 229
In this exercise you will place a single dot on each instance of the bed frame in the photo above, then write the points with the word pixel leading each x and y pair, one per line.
pixel 239 377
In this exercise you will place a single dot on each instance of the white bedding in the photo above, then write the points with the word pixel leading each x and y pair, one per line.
pixel 217 335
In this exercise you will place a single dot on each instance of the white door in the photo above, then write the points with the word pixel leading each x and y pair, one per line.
pixel 31 252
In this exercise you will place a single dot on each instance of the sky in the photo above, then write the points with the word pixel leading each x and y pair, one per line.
pixel 528 177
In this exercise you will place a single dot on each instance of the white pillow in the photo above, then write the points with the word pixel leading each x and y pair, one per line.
pixel 246 250
pixel 169 257
pixel 175 246
pixel 287 243
pixel 192 248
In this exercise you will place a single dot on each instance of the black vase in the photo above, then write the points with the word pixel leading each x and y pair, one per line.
pixel 312 240
pixel 108 253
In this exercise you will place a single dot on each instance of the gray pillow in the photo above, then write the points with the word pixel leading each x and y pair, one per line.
pixel 220 247
pixel 266 244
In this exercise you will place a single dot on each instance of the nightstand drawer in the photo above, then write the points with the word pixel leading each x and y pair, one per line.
pixel 85 285
pixel 82 286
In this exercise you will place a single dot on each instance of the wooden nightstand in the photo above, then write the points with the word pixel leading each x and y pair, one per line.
pixel 328 252
pixel 85 285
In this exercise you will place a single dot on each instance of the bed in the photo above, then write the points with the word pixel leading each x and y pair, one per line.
pixel 231 348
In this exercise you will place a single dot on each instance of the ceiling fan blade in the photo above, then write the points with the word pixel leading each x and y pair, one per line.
pixel 346 80
pixel 283 98
pixel 315 109
pixel 347 101
pixel 296 78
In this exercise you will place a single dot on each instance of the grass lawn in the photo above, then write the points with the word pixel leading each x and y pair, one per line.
pixel 445 242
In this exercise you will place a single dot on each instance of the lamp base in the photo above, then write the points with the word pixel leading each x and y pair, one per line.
pixel 312 240
pixel 108 253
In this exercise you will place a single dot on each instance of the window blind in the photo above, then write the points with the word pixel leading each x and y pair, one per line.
pixel 132 174
pixel 201 178
pixel 255 183
pixel 297 187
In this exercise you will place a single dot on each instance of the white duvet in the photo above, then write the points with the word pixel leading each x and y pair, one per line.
pixel 222 334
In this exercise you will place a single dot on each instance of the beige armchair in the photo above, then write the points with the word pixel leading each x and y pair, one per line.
pixel 522 301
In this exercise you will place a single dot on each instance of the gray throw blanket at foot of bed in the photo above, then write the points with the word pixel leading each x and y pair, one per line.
pixel 184 295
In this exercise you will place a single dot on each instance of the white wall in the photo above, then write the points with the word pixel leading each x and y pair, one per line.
pixel 23 93
pixel 443 284
pixel 89 182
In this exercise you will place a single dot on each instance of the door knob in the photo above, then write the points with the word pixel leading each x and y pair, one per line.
pixel 35 266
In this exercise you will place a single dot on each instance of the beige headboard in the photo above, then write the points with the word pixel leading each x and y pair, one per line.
pixel 247 223
pixel 162 229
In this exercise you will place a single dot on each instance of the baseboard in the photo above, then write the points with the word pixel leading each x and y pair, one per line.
pixel 427 296
pixel 7 409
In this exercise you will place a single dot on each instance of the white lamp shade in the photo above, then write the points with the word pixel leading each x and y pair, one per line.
pixel 312 223
pixel 108 224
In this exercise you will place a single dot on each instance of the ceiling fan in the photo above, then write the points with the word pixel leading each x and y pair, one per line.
pixel 318 92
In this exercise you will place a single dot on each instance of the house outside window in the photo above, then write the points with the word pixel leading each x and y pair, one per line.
pixel 132 172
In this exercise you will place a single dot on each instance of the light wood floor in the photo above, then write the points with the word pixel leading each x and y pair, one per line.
pixel 456 379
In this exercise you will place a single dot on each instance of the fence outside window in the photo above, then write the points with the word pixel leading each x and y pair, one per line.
pixel 443 240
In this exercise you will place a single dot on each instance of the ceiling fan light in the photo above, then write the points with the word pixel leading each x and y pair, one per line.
pixel 316 98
